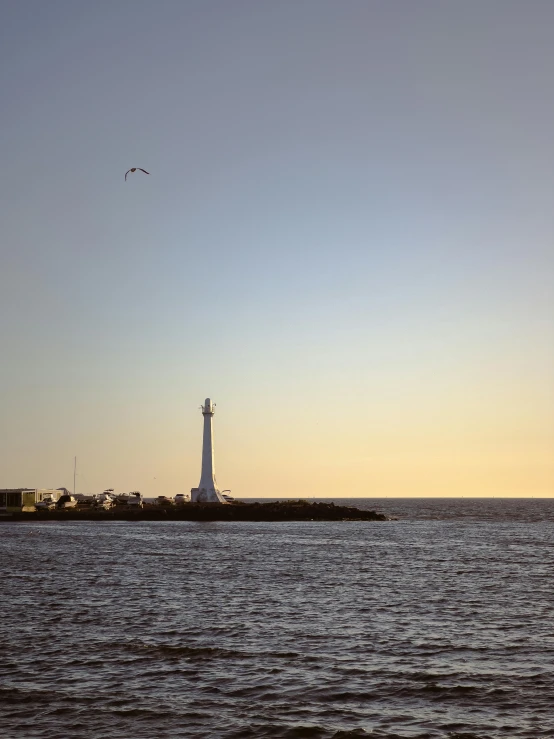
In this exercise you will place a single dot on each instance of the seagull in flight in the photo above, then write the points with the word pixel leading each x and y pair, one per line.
pixel 134 169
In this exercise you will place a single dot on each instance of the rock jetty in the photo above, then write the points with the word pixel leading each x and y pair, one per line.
pixel 298 510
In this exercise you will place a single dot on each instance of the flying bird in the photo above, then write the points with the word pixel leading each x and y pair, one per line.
pixel 134 169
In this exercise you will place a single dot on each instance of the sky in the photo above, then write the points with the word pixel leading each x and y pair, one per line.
pixel 346 241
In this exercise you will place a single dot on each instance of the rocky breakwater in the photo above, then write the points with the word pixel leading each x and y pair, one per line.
pixel 290 510
pixel 280 511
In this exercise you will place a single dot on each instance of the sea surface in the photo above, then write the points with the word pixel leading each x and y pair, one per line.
pixel 438 624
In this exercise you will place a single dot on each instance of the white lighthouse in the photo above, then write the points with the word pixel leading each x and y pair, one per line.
pixel 207 490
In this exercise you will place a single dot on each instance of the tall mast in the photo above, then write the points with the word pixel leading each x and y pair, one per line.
pixel 74 475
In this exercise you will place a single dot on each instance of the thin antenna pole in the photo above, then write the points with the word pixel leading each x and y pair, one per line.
pixel 74 475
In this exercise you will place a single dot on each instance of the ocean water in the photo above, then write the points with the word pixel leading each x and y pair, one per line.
pixel 439 624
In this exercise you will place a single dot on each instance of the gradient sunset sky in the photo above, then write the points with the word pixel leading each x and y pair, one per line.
pixel 346 241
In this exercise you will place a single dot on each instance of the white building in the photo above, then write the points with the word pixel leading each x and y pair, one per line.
pixel 24 499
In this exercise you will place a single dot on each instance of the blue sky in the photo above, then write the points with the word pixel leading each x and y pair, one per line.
pixel 345 240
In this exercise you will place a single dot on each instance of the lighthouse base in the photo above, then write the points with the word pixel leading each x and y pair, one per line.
pixel 206 495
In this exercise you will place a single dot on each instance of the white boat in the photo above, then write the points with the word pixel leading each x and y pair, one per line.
pixel 106 499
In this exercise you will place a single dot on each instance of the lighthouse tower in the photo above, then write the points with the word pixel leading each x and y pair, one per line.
pixel 207 490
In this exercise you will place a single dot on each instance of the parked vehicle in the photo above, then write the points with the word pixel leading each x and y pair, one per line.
pixel 181 498
pixel 135 500
pixel 45 505
pixel 66 501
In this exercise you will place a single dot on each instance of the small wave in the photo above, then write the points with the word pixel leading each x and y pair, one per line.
pixel 141 713
pixel 360 733
pixel 346 696
pixel 299 732
pixel 21 696
pixel 204 652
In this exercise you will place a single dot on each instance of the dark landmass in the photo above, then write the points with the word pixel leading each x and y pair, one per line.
pixel 274 511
